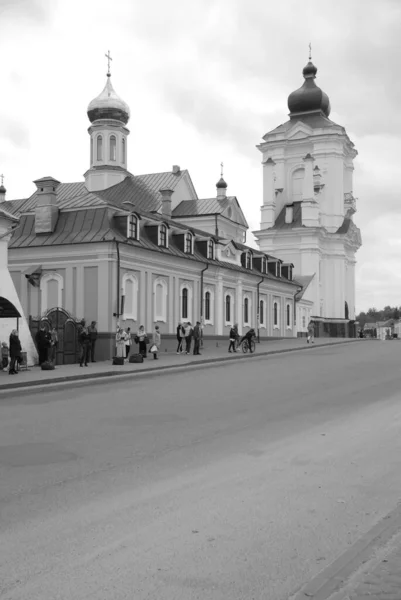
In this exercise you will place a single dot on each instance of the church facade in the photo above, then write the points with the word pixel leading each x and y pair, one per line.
pixel 138 250
pixel 308 204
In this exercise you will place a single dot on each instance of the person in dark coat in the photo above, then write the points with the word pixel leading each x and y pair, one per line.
pixel 15 351
pixel 43 342
pixel 93 337
pixel 188 337
pixel 233 337
pixel 180 337
pixel 85 342
pixel 197 336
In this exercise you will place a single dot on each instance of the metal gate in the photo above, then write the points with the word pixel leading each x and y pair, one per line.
pixel 67 330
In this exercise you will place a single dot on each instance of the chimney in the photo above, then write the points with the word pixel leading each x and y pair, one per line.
pixel 176 170
pixel 46 210
pixel 166 201
pixel 289 213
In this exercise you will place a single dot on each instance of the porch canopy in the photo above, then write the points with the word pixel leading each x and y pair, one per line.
pixel 8 310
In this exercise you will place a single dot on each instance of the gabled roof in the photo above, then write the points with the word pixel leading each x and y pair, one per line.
pixel 168 179
pixel 296 218
pixel 7 215
pixel 304 281
pixel 208 206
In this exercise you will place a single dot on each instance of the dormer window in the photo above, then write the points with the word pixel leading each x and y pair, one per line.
pixel 263 264
pixel 248 260
pixel 210 249
pixel 132 227
pixel 188 244
pixel 163 238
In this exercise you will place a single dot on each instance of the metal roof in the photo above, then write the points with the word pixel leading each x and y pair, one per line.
pixel 167 179
pixel 296 218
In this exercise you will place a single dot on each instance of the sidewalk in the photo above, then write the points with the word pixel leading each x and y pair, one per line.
pixel 211 353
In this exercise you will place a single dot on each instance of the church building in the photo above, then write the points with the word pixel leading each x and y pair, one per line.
pixel 119 248
pixel 308 206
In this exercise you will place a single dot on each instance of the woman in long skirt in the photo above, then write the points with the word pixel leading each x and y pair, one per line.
pixel 120 343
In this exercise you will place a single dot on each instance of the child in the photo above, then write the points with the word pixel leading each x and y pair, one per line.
pixel 4 356
pixel 157 338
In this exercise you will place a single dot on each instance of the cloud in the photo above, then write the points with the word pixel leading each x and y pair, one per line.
pixel 14 132
pixel 32 10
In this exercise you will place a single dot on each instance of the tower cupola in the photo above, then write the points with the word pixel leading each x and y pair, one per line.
pixel 221 186
pixel 309 97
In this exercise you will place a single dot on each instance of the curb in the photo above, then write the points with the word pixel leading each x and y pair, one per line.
pixel 334 577
pixel 93 377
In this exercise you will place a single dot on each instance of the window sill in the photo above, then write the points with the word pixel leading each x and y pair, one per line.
pixel 276 327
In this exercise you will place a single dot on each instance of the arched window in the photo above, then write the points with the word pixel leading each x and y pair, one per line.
pixel 99 148
pixel 113 147
pixel 210 249
pixel 163 236
pixel 130 296
pixel 207 306
pixel 123 150
pixel 51 287
pixel 188 243
pixel 228 309
pixel 91 150
pixel 184 303
pixel 160 300
pixel 275 314
pixel 288 315
pixel 246 310
pixel 261 312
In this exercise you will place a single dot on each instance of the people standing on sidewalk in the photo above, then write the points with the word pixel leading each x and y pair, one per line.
pixel 188 337
pixel 15 351
pixel 42 339
pixel 233 337
pixel 120 342
pixel 156 341
pixel 128 342
pixel 5 354
pixel 53 345
pixel 85 344
pixel 311 333
pixel 142 340
pixel 180 337
pixel 93 337
pixel 197 336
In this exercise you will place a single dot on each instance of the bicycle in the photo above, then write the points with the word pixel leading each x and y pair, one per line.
pixel 247 344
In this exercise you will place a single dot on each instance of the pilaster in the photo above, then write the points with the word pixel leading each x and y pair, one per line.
pixel 171 320
pixel 219 305
pixel 238 306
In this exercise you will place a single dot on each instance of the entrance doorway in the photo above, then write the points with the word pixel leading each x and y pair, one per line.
pixel 67 330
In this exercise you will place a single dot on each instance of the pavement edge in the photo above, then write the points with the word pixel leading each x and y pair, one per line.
pixel 335 576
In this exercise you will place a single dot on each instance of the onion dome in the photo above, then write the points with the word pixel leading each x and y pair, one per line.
pixel 309 97
pixel 221 184
pixel 2 189
pixel 108 105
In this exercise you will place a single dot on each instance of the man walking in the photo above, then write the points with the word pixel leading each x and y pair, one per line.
pixel 84 340
pixel 93 337
pixel 197 335
pixel 311 332
pixel 188 337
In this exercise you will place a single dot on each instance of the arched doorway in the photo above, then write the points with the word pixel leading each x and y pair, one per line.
pixel 67 330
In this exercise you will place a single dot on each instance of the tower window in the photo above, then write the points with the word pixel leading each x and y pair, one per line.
pixel 113 148
pixel 123 150
pixel 91 150
pixel 99 146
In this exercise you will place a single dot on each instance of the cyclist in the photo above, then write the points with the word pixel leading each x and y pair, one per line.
pixel 248 337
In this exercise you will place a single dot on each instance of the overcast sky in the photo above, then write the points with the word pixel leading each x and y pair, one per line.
pixel 205 80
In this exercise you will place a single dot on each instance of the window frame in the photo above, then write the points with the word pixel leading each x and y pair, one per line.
pixel 133 312
pixel 113 146
pixel 184 303
pixel 276 314
pixel 288 313
pixel 99 147
pixel 163 228
pixel 188 240
pixel 123 150
pixel 44 292
pixel 129 218
pixel 231 304
pixel 162 318
pixel 248 261
pixel 210 246
pixel 261 312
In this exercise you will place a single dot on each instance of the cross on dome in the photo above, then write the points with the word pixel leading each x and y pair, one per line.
pixel 108 56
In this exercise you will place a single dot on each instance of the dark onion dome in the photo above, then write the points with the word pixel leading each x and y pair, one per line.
pixel 221 184
pixel 108 105
pixel 309 97
pixel 2 189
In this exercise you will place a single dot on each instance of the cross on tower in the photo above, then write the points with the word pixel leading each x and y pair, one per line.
pixel 108 62
pixel 221 165
pixel 310 51
pixel 2 179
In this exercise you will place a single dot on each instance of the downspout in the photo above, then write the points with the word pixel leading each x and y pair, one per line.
pixel 295 304
pixel 258 307
pixel 216 229
pixel 201 303
pixel 117 313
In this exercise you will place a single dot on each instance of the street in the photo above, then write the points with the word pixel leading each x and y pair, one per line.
pixel 235 482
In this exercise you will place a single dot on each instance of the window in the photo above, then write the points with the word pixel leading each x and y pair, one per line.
pixel 263 265
pixel 275 314
pixel 261 312
pixel 160 300
pixel 51 287
pixel 99 146
pixel 228 309
pixel 130 296
pixel 248 261
pixel 113 148
pixel 163 236
pixel 184 305
pixel 288 315
pixel 123 150
pixel 132 227
pixel 91 150
pixel 246 310
pixel 188 243
pixel 303 321
pixel 210 249
pixel 207 306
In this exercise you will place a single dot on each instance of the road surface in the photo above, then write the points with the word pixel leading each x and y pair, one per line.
pixel 235 482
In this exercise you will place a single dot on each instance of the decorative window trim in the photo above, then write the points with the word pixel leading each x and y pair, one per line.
pixel 129 236
pixel 232 308
pixel 188 286
pixel 277 303
pixel 210 290
pixel 159 236
pixel 99 137
pixel 132 311
pixel 248 297
pixel 45 279
pixel 288 313
pixel 163 316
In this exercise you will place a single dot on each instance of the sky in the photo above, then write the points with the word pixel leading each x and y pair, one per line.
pixel 205 80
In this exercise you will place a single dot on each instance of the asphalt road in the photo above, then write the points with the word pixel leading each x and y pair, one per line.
pixel 237 482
